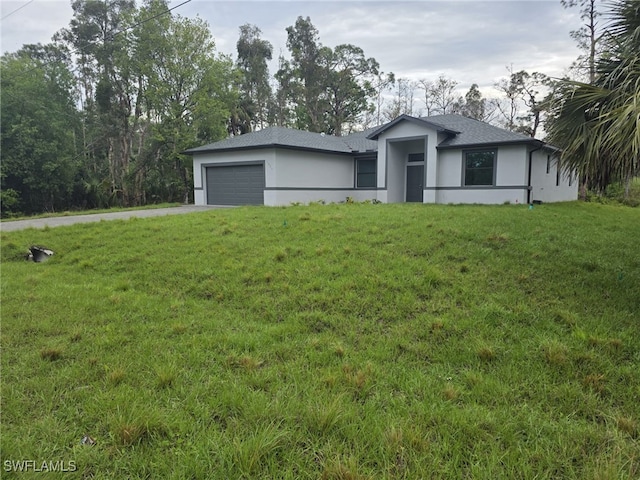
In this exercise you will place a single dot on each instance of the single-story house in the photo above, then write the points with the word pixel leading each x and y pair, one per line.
pixel 436 159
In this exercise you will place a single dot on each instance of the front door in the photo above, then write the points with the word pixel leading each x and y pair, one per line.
pixel 415 179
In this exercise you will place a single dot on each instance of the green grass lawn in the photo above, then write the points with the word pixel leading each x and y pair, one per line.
pixel 334 342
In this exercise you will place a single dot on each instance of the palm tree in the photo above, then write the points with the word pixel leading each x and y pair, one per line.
pixel 598 126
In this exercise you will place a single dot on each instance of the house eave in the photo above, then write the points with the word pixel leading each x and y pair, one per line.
pixel 266 146
pixel 532 141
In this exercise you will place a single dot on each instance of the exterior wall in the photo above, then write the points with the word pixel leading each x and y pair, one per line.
pixel 303 177
pixel 486 196
pixel 512 162
pixel 289 196
pixel 290 175
pixel 449 168
pixel 299 169
pixel 395 172
pixel 543 184
pixel 393 147
pixel 511 171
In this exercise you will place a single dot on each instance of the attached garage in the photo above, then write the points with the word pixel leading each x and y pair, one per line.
pixel 240 184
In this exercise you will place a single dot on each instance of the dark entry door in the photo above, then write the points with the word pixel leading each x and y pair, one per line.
pixel 415 179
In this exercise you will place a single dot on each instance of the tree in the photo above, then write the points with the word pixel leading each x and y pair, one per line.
pixel 189 94
pixel 253 54
pixel 427 88
pixel 281 105
pixel 307 75
pixel 39 123
pixel 508 107
pixel 439 96
pixel 151 86
pixel 349 86
pixel 324 89
pixel 98 35
pixel 381 83
pixel 523 88
pixel 598 126
pixel 402 103
pixel 474 105
pixel 587 36
pixel 531 89
pixel 443 95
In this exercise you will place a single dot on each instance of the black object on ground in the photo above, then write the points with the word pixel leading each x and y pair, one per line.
pixel 39 254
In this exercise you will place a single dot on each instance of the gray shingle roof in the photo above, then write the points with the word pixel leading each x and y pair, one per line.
pixel 288 138
pixel 463 132
pixel 474 132
pixel 358 141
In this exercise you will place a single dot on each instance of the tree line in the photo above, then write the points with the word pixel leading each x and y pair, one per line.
pixel 100 116
pixel 337 90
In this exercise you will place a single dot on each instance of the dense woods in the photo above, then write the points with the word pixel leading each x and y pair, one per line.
pixel 100 116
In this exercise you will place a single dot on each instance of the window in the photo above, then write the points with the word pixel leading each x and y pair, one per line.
pixel 548 164
pixel 557 173
pixel 366 173
pixel 479 167
pixel 416 157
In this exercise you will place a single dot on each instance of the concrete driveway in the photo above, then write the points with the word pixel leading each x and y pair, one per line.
pixel 97 217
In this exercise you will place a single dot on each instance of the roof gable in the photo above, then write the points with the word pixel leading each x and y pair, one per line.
pixel 424 121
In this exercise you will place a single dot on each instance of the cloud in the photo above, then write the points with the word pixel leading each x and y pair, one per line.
pixel 35 23
pixel 469 41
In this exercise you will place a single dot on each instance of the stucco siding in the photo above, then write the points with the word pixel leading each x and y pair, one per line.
pixel 545 186
pixel 511 171
pixel 511 166
pixel 450 168
pixel 482 196
pixel 300 169
pixel 394 171
pixel 292 196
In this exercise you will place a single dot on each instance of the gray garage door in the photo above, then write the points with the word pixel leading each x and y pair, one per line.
pixel 235 185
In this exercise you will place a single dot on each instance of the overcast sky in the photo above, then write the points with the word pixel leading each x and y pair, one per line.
pixel 469 41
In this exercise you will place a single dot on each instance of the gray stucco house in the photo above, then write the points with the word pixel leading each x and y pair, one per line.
pixel 437 159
